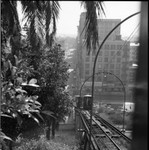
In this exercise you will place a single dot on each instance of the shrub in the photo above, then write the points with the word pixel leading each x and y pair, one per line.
pixel 116 118
pixel 100 110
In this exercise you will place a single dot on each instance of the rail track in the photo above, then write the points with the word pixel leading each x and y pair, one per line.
pixel 105 135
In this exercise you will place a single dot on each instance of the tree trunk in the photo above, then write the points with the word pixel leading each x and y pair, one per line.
pixel 53 127
pixel 48 129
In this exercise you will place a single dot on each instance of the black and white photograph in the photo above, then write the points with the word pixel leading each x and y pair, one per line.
pixel 74 75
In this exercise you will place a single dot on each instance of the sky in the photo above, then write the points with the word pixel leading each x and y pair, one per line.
pixel 70 14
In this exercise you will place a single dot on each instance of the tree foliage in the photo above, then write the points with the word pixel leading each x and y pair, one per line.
pixel 35 56
pixel 53 79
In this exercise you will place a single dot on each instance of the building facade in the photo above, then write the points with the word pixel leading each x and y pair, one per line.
pixel 113 57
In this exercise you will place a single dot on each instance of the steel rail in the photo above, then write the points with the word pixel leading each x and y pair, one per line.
pixel 112 127
pixel 113 142
pixel 112 135
pixel 93 141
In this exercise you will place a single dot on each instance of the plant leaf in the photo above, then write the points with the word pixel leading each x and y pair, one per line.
pixel 49 113
pixel 4 115
pixel 3 136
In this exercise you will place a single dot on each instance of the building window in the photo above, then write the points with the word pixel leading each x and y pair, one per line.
pixel 112 59
pixel 100 53
pixel 87 65
pixel 87 59
pixel 117 72
pixel 106 66
pixel 106 59
pixel 112 47
pixel 111 66
pixel 118 53
pixel 87 72
pixel 119 47
pixel 100 59
pixel 93 52
pixel 118 59
pixel 112 53
pixel 106 53
pixel 100 66
pixel 118 66
pixel 124 59
pixel 107 46
pixel 93 58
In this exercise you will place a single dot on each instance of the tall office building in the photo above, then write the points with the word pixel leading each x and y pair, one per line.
pixel 113 57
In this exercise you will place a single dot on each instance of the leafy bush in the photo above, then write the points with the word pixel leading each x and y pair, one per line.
pixel 101 110
pixel 110 112
pixel 116 118
pixel 15 101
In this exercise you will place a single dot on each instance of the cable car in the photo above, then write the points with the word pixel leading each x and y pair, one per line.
pixel 87 102
pixel 79 101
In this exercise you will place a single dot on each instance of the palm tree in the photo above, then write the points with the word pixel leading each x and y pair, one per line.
pixel 41 15
pixel 41 18
pixel 37 11
pixel 10 22
pixel 41 23
pixel 94 9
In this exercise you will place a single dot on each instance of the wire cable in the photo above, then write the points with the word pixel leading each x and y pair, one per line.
pixel 128 39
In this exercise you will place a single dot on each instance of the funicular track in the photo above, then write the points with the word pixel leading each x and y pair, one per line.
pixel 105 135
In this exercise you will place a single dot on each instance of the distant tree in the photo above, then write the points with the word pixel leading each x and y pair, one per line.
pixel 53 80
pixel 15 101
pixel 116 118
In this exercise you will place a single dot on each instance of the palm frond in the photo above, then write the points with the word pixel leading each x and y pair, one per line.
pixel 34 15
pixel 34 38
pixel 48 20
pixel 10 15
pixel 53 32
pixel 56 8
pixel 93 10
pixel 44 11
pixel 52 12
pixel 40 25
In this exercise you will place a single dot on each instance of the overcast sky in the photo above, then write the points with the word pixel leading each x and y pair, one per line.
pixel 71 10
pixel 70 14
